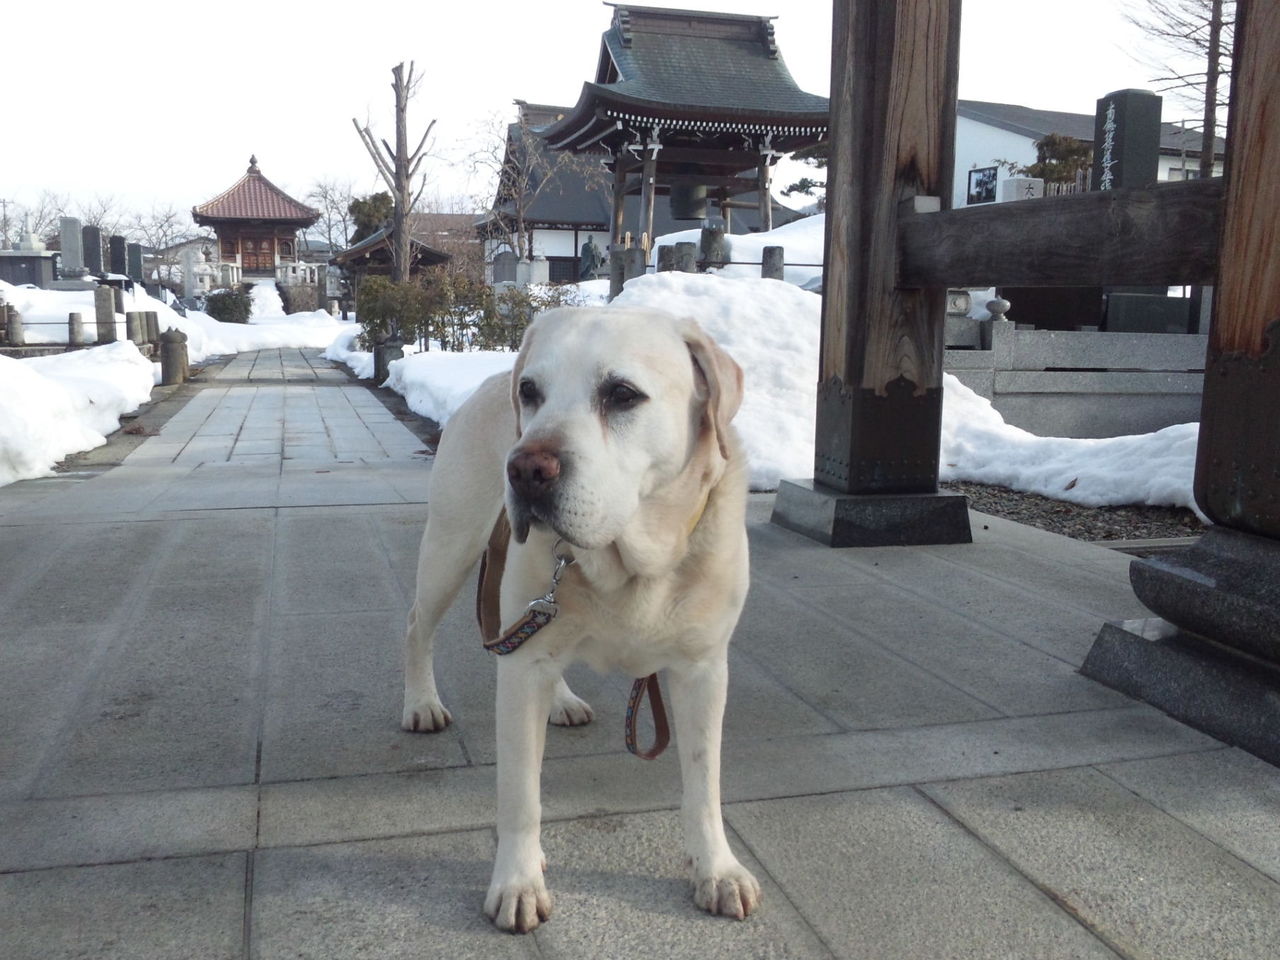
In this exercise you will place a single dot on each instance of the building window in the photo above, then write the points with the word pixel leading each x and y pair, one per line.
pixel 562 269
pixel 228 247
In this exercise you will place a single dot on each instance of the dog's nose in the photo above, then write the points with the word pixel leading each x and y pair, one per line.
pixel 532 472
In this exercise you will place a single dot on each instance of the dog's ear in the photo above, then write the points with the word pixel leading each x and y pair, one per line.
pixel 515 375
pixel 723 379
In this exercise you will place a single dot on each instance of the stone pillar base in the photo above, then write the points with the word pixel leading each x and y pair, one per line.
pixel 1220 690
pixel 871 520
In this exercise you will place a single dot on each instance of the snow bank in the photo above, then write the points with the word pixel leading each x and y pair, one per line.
pixel 44 313
pixel 977 444
pixel 54 406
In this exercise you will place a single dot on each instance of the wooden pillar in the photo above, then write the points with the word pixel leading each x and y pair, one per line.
pixel 1238 459
pixel 616 265
pixel 648 192
pixel 893 93
pixel 879 417
pixel 619 198
pixel 765 197
pixel 726 211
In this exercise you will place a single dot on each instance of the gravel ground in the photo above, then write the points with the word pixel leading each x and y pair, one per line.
pixel 1082 523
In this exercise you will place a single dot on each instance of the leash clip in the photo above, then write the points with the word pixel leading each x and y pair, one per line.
pixel 547 602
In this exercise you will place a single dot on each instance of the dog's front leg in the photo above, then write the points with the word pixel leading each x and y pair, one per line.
pixel 518 899
pixel 720 883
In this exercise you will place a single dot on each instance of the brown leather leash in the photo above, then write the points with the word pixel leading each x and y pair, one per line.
pixel 661 732
pixel 541 612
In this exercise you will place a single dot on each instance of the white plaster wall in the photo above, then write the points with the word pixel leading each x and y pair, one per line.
pixel 560 243
pixel 977 145
pixel 1168 164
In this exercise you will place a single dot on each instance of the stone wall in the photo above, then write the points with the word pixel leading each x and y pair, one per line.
pixel 1079 384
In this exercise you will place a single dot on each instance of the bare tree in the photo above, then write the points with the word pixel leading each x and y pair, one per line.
pixel 102 212
pixel 521 168
pixel 162 230
pixel 43 215
pixel 1200 33
pixel 333 199
pixel 398 168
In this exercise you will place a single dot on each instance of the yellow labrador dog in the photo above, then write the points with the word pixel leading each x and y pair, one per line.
pixel 610 443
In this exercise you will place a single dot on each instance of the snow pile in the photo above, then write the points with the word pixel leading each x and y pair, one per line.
pixel 978 445
pixel 772 329
pixel 265 298
pixel 343 349
pixel 54 406
pixel 435 383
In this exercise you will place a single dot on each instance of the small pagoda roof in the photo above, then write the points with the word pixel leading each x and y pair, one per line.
pixel 375 250
pixel 254 197
pixel 691 70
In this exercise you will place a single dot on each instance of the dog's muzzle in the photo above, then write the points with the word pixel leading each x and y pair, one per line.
pixel 533 476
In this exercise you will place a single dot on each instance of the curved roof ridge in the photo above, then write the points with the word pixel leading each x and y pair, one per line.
pixel 254 197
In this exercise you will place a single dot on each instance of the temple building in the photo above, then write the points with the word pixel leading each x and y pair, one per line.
pixel 694 105
pixel 256 224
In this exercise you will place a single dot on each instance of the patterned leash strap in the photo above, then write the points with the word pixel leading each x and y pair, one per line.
pixel 661 731
pixel 536 616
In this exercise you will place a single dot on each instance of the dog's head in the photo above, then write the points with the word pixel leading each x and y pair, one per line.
pixel 612 406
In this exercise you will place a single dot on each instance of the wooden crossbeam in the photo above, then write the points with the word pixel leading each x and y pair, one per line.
pixel 1168 234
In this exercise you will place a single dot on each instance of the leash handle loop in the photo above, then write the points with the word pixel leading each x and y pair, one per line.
pixel 661 730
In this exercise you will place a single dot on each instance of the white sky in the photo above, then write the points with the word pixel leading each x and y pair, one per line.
pixel 159 104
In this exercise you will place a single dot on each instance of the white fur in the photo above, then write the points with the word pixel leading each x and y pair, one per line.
pixel 645 594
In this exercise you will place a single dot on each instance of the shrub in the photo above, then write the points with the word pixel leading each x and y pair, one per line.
pixel 229 306
pixel 383 307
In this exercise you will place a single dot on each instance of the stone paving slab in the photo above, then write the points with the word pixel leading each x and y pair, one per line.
pixel 1229 796
pixel 146 910
pixel 114 828
pixel 885 873
pixel 1137 877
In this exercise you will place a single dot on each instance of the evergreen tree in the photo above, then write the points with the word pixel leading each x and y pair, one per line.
pixel 370 214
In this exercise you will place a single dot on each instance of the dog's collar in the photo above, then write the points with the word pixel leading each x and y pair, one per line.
pixel 697 516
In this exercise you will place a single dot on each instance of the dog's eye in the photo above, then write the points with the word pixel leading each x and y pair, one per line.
pixel 529 393
pixel 621 396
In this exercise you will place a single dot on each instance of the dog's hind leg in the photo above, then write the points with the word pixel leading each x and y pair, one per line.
pixel 449 551
pixel 567 708
pixel 465 499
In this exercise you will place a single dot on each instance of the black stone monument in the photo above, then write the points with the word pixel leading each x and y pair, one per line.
pixel 118 250
pixel 92 237
pixel 133 255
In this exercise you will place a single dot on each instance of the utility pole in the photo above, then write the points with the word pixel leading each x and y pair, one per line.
pixel 4 222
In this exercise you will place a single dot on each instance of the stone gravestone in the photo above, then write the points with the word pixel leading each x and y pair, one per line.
pixel 188 272
pixel 92 248
pixel 117 248
pixel 1126 130
pixel 1126 137
pixel 1021 188
pixel 72 248
pixel 133 258
pixel 504 267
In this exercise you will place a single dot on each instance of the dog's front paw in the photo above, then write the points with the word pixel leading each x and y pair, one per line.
pixel 425 715
pixel 570 710
pixel 729 892
pixel 518 906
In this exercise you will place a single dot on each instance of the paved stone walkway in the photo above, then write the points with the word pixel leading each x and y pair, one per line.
pixel 199 699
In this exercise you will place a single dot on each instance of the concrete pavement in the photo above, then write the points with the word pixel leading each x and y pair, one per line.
pixel 199 699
